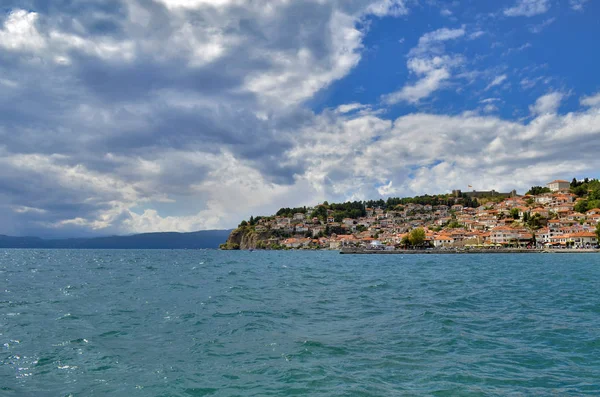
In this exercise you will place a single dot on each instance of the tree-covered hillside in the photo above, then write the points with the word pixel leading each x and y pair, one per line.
pixel 589 191
pixel 357 209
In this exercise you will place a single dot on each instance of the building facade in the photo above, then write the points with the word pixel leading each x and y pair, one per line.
pixel 558 184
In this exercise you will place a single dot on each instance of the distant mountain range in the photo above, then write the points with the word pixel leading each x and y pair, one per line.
pixel 171 240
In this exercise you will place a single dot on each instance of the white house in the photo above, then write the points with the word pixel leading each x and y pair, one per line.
pixel 500 235
pixel 301 229
pixel 582 239
pixel 545 198
pixel 348 221
pixel 558 184
pixel 442 240
pixel 299 216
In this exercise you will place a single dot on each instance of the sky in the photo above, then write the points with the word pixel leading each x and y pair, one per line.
pixel 129 116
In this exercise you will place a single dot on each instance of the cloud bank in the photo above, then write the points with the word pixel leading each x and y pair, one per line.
pixel 130 116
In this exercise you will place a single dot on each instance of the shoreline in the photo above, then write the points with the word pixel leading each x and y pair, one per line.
pixel 360 251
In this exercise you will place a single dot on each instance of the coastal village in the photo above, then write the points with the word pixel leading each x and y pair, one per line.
pixel 545 217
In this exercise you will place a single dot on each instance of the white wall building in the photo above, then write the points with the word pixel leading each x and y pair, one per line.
pixel 558 184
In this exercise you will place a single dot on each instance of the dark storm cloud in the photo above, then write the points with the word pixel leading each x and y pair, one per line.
pixel 142 78
pixel 122 101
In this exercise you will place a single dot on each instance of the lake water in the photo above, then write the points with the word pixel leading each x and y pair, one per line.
pixel 196 323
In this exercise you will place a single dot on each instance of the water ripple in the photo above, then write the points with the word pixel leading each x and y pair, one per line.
pixel 204 323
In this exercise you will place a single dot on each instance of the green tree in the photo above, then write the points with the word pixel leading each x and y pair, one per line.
pixel 593 204
pixel 514 213
pixel 320 212
pixel 453 224
pixel 535 190
pixel 405 242
pixel 535 221
pixel 574 183
pixel 598 231
pixel 416 237
pixel 580 191
pixel 581 206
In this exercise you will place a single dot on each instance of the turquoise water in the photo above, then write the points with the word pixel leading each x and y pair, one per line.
pixel 196 323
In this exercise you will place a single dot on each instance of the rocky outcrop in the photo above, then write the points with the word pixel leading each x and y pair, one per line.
pixel 246 238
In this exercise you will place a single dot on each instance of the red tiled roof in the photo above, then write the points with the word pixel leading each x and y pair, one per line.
pixel 583 234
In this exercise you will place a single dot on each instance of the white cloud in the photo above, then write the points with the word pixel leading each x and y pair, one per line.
pixel 497 81
pixel 386 190
pixel 383 8
pixel 517 49
pixel 191 4
pixel 21 209
pixel 591 101
pixel 423 88
pixel 73 177
pixel 528 83
pixel 427 62
pixel 490 100
pixel 489 108
pixel 20 32
pixel 9 83
pixel 476 34
pixel 229 180
pixel 577 5
pixel 296 75
pixel 548 103
pixel 344 156
pixel 350 107
pixel 447 151
pixel 431 42
pixel 540 27
pixel 528 8
pixel 293 74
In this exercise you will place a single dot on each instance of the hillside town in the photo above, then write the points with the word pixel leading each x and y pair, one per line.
pixel 491 220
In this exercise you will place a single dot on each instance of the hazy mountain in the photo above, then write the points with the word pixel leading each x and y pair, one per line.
pixel 200 239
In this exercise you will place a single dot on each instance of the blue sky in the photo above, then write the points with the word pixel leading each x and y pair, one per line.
pixel 543 46
pixel 124 116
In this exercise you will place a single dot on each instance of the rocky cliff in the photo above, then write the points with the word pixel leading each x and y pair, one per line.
pixel 245 238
